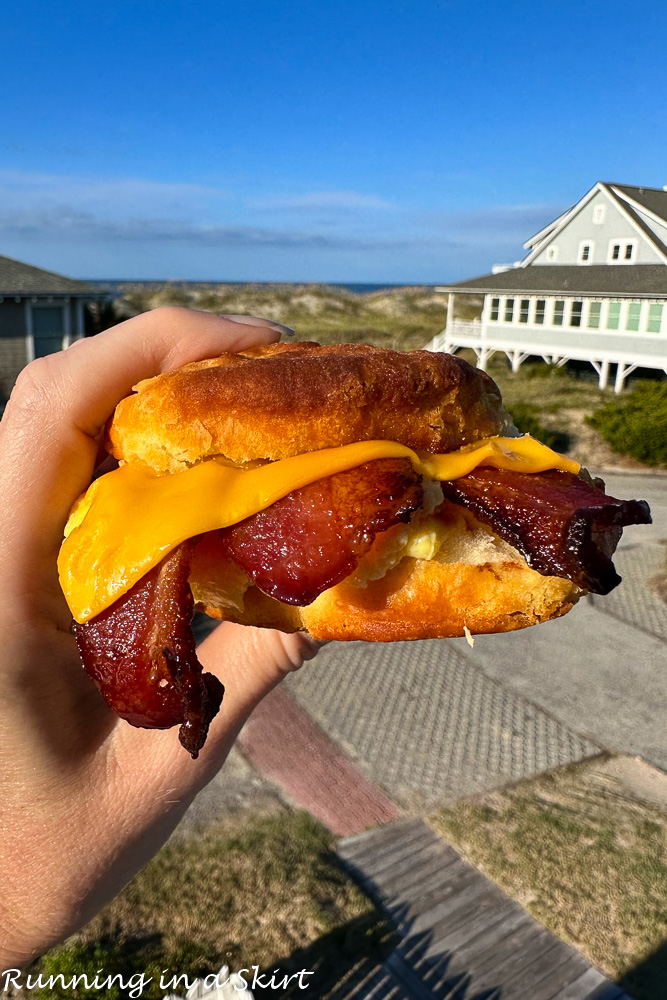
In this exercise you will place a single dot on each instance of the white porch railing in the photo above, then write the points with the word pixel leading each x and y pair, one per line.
pixel 556 345
pixel 457 330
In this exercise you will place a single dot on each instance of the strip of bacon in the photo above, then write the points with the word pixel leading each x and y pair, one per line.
pixel 315 536
pixel 561 524
pixel 141 653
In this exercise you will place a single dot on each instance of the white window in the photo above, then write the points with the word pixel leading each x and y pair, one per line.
pixel 552 252
pixel 599 213
pixel 654 317
pixel 575 313
pixel 622 251
pixel 634 315
pixel 594 311
pixel 586 252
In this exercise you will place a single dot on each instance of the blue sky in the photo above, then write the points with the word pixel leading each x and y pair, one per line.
pixel 317 140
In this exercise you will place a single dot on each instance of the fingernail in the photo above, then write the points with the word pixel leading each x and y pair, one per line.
pixel 258 321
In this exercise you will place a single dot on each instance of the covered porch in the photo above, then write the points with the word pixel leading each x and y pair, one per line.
pixel 625 332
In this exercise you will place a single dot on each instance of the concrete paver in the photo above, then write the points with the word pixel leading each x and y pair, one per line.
pixel 633 602
pixel 641 554
pixel 598 674
pixel 428 725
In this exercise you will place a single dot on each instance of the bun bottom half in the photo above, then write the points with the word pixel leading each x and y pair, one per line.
pixel 417 599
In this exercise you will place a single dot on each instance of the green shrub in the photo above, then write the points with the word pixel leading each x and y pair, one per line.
pixel 112 968
pixel 636 424
pixel 526 419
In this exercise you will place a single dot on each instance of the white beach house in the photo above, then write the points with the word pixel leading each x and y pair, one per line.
pixel 593 287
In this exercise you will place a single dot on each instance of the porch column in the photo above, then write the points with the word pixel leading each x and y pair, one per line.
pixel 517 358
pixel 450 310
pixel 622 372
pixel 604 374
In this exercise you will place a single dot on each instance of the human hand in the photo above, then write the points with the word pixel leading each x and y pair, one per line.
pixel 86 799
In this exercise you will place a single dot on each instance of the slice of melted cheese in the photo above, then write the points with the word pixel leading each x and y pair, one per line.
pixel 131 518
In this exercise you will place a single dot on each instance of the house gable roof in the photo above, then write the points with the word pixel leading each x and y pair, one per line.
pixel 17 278
pixel 547 230
pixel 540 240
pixel 604 280
pixel 651 200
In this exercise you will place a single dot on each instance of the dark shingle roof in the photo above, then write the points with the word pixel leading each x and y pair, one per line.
pixel 17 278
pixel 652 199
pixel 639 221
pixel 634 280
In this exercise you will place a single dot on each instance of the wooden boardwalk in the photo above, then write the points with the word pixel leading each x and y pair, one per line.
pixel 461 937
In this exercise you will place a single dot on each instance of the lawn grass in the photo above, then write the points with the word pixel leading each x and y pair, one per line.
pixel 261 890
pixel 586 860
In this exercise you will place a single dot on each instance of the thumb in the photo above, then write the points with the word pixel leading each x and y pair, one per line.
pixel 251 661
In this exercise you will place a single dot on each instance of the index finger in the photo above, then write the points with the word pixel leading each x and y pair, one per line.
pixel 49 433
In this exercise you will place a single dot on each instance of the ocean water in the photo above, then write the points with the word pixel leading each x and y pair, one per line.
pixel 116 284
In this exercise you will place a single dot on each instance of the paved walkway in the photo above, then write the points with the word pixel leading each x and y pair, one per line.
pixel 430 722
pixel 290 749
pixel 460 935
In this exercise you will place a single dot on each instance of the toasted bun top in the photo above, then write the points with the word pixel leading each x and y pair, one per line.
pixel 286 399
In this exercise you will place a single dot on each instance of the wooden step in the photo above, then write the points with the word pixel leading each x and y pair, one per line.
pixel 461 936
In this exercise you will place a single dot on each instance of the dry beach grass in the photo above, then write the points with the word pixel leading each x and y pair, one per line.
pixel 403 318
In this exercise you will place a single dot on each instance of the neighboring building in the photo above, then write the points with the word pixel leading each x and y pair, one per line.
pixel 593 287
pixel 40 313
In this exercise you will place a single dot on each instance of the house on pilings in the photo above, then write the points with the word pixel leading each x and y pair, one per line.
pixel 593 287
